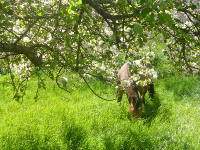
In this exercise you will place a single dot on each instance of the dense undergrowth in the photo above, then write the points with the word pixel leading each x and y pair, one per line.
pixel 80 120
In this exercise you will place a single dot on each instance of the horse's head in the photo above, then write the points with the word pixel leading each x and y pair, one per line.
pixel 134 101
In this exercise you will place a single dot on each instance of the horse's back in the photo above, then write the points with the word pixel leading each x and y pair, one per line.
pixel 124 73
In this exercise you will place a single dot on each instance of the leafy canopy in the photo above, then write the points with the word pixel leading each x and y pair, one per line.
pixel 93 37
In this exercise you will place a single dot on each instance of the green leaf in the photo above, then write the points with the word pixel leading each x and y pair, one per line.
pixel 62 12
pixel 145 12
pixel 73 8
pixel 40 14
pixel 141 42
pixel 143 1
pixel 137 28
pixel 165 19
pixel 150 19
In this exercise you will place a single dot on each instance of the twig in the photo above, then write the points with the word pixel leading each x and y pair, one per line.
pixel 94 91
pixel 57 76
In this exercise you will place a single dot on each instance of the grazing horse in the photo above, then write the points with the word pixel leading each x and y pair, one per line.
pixel 134 92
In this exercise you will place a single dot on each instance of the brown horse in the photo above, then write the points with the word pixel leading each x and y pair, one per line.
pixel 135 94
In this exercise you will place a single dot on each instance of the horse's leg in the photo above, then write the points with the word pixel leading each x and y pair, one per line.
pixel 151 90
pixel 143 91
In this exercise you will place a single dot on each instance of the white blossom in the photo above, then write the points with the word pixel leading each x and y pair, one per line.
pixel 188 23
pixel 26 39
pixel 108 31
pixel 167 12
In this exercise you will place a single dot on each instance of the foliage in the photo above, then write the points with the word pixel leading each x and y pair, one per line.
pixel 93 37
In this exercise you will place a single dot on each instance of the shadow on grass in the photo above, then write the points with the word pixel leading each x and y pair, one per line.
pixel 27 139
pixel 151 109
pixel 73 135
pixel 182 86
pixel 132 140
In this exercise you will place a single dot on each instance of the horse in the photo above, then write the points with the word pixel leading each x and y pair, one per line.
pixel 134 92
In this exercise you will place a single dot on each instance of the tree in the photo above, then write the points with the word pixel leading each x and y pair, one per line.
pixel 93 37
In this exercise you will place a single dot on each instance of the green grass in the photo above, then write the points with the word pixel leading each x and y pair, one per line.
pixel 80 120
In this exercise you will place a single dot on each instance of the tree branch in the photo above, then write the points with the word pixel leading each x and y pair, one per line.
pixel 24 50
pixel 94 4
pixel 79 38
pixel 93 90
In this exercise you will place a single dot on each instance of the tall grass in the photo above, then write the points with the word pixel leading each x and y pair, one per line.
pixel 80 120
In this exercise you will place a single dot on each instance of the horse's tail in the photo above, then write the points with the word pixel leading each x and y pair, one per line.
pixel 151 90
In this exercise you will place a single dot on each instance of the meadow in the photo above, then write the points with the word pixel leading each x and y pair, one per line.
pixel 80 120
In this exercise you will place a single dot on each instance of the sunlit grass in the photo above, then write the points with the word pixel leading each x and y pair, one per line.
pixel 80 120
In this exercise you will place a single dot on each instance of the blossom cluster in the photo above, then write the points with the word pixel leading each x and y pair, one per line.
pixel 188 61
pixel 22 69
pixel 142 72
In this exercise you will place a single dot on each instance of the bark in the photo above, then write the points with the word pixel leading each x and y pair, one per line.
pixel 94 4
pixel 17 49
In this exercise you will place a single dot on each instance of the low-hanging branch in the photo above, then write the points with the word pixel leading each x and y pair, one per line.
pixel 17 49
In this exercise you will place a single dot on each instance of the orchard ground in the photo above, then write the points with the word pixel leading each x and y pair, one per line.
pixel 80 120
